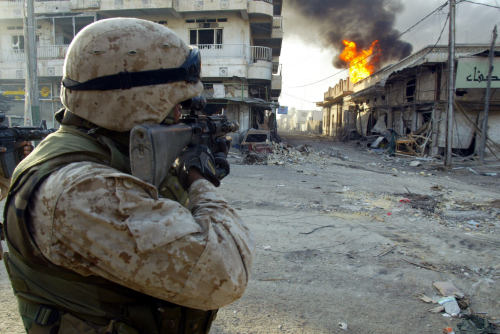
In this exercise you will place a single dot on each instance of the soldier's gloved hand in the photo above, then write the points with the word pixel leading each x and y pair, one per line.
pixel 199 157
pixel 221 165
pixel 222 145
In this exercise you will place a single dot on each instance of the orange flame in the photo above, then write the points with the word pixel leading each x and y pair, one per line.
pixel 361 65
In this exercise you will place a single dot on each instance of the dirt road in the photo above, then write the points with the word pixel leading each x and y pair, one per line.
pixel 347 236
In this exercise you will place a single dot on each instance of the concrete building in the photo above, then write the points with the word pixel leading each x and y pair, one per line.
pixel 301 121
pixel 337 120
pixel 410 98
pixel 239 40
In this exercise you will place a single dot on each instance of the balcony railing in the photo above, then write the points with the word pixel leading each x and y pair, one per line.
pixel 248 52
pixel 43 52
pixel 52 51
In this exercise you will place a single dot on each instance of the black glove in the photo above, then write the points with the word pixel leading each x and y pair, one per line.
pixel 201 158
pixel 222 145
pixel 221 165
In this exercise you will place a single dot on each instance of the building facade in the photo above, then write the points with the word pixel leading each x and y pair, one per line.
pixel 410 98
pixel 239 41
pixel 337 120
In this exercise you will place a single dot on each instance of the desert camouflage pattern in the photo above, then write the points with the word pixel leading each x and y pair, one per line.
pixel 95 220
pixel 4 187
pixel 117 45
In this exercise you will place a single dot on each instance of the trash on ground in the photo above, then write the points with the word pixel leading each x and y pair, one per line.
pixel 253 158
pixel 473 223
pixel 405 200
pixel 436 187
pixel 377 142
pixel 474 324
pixel 448 330
pixel 450 305
pixel 427 299
pixel 343 325
pixel 472 171
pixel 447 288
pixel 415 163
pixel 437 309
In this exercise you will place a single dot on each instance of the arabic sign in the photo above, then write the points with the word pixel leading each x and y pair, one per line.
pixel 473 73
pixel 283 110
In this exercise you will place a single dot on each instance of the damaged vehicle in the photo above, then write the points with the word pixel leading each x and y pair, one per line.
pixel 258 141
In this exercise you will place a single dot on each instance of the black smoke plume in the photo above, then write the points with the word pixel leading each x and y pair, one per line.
pixel 361 21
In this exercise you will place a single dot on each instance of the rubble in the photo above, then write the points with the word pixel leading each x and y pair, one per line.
pixel 285 154
pixel 415 163
pixel 253 158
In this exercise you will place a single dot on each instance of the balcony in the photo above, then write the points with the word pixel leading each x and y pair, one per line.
pixel 240 60
pixel 52 6
pixel 85 4
pixel 11 9
pixel 111 5
pixel 43 52
pixel 209 5
pixel 260 8
pixel 50 60
pixel 277 31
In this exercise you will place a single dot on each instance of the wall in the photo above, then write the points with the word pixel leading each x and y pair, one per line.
pixel 426 84
pixel 236 29
pixel 216 5
pixel 494 133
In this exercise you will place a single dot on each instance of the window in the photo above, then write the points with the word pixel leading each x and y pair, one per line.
pixel 18 42
pixel 410 90
pixel 205 36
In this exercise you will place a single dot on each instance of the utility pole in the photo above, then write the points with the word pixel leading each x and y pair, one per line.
pixel 31 95
pixel 451 85
pixel 484 129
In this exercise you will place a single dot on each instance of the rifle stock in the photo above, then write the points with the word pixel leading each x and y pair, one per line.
pixel 154 148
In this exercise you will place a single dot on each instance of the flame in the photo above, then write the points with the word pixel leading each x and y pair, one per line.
pixel 361 64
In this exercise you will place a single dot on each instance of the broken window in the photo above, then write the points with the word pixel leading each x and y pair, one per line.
pixel 410 90
pixel 65 28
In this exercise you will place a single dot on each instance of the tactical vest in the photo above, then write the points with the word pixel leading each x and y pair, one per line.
pixel 53 299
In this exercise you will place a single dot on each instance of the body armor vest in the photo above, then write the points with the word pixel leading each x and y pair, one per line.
pixel 53 299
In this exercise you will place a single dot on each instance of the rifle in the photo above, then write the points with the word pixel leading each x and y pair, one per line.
pixel 154 148
pixel 10 153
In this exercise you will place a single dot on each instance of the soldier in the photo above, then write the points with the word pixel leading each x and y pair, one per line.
pixel 93 249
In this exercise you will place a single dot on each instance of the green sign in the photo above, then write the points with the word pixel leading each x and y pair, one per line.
pixel 473 73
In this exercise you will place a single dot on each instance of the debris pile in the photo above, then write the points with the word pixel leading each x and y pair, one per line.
pixel 452 302
pixel 286 154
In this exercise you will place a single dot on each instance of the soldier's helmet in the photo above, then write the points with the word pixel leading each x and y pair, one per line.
pixel 122 72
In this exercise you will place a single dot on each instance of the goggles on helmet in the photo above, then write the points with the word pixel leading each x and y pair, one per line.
pixel 189 71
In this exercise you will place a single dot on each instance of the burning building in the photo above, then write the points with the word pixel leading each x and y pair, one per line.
pixel 409 99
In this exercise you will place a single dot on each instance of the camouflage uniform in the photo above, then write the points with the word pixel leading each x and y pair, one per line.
pixel 95 220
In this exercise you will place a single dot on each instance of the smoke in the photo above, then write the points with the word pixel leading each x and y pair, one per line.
pixel 361 21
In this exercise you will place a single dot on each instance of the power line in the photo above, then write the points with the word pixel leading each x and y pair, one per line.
pixel 482 4
pixel 439 8
pixel 298 98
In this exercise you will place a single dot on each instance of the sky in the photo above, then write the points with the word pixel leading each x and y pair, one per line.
pixel 305 61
